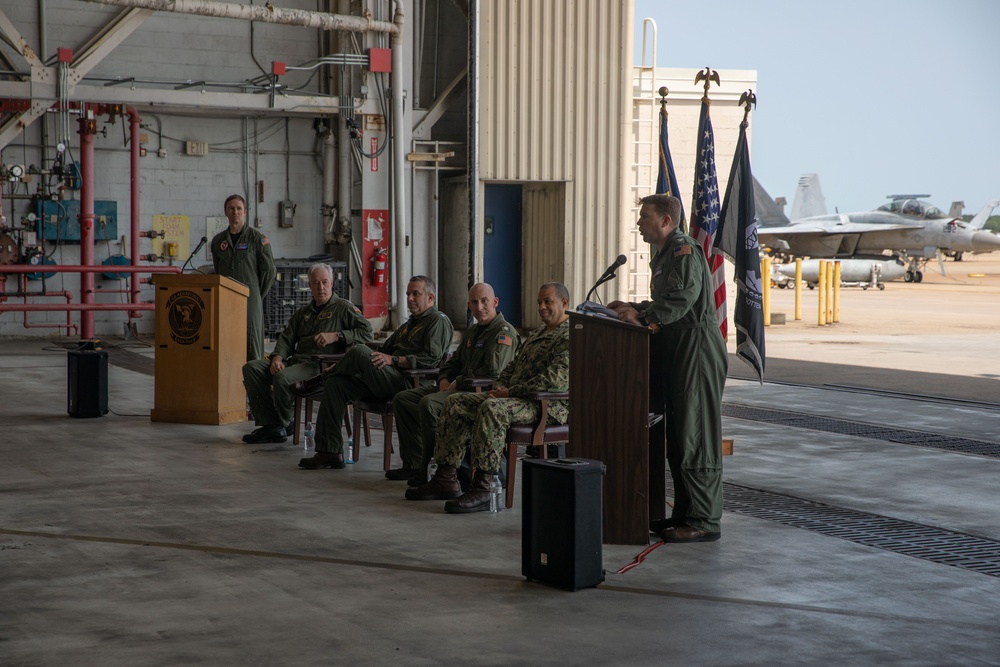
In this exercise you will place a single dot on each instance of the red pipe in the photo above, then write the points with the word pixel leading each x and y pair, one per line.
pixel 79 268
pixel 88 128
pixel 133 119
pixel 83 307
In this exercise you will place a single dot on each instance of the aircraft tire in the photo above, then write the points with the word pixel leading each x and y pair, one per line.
pixel 918 277
pixel 908 277
pixel 958 257
pixel 881 286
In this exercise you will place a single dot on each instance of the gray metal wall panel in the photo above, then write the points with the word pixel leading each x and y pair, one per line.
pixel 555 100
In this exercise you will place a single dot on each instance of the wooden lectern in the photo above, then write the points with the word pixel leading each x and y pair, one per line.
pixel 609 422
pixel 201 346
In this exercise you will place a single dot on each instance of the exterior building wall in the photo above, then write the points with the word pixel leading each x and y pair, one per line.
pixel 554 102
pixel 683 109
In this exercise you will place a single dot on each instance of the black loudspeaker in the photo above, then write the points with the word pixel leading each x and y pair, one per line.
pixel 88 383
pixel 561 529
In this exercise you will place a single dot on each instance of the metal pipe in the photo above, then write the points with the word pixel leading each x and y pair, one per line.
pixel 134 120
pixel 265 13
pixel 85 308
pixel 88 128
pixel 80 268
pixel 401 271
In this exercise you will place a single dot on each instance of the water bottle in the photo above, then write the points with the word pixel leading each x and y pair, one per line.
pixel 310 437
pixel 348 450
pixel 432 468
pixel 496 494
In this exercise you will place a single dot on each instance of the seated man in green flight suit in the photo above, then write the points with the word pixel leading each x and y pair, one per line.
pixel 313 329
pixel 420 343
pixel 486 348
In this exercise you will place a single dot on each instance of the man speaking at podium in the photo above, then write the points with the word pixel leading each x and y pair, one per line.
pixel 244 254
pixel 688 362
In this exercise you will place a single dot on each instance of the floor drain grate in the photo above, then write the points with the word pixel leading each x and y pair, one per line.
pixel 862 430
pixel 946 547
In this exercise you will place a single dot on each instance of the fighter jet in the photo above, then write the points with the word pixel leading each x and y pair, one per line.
pixel 907 228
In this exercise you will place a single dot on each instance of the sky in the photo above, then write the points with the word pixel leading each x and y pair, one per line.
pixel 877 97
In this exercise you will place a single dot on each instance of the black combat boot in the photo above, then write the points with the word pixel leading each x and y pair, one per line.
pixel 476 499
pixel 443 486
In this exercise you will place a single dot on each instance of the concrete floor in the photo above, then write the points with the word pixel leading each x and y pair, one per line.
pixel 126 542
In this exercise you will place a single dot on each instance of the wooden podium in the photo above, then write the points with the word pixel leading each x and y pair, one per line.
pixel 609 422
pixel 201 346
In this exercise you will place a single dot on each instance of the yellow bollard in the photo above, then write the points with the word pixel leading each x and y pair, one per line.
pixel 829 292
pixel 765 270
pixel 821 288
pixel 798 288
pixel 836 291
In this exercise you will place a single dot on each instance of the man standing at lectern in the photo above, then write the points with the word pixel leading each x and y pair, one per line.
pixel 244 254
pixel 688 363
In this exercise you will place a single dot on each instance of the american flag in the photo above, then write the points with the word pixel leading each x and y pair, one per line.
pixel 705 213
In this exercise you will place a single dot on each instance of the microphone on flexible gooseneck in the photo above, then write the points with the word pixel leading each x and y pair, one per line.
pixel 608 274
pixel 201 244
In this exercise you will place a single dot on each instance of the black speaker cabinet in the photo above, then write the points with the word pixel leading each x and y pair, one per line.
pixel 561 530
pixel 88 383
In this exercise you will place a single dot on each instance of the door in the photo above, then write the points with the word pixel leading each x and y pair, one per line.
pixel 502 247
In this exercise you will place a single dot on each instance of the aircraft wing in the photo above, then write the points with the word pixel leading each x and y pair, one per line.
pixel 838 228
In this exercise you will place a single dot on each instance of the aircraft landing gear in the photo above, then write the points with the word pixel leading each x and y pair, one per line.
pixel 913 276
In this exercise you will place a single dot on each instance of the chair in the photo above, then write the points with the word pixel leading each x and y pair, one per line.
pixel 378 406
pixel 538 435
pixel 309 390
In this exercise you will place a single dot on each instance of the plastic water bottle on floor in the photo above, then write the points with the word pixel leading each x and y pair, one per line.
pixel 349 450
pixel 432 468
pixel 310 437
pixel 496 494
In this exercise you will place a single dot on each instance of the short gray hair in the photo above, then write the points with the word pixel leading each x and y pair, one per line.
pixel 429 285
pixel 320 266
pixel 561 291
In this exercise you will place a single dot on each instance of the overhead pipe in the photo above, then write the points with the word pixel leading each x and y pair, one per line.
pixel 265 13
pixel 81 268
pixel 84 308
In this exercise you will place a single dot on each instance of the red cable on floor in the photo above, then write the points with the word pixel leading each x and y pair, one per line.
pixel 641 557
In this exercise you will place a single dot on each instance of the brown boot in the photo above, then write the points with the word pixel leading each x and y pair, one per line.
pixel 443 486
pixel 476 499
pixel 323 460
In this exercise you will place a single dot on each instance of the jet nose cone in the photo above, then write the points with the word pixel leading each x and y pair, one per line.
pixel 984 241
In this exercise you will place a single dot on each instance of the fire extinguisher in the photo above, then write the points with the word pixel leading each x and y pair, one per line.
pixel 379 267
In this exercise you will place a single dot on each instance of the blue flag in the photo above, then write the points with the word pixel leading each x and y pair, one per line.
pixel 736 238
pixel 666 179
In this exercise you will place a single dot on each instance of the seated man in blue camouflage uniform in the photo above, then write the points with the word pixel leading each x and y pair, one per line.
pixel 313 329
pixel 542 364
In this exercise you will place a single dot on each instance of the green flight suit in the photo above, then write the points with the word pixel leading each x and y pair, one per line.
pixel 483 352
pixel 541 365
pixel 270 400
pixel 423 340
pixel 249 261
pixel 688 364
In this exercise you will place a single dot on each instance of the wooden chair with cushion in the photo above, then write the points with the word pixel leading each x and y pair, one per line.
pixel 311 390
pixel 539 435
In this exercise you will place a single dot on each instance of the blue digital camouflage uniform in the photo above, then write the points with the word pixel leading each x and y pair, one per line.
pixel 688 364
pixel 270 400
pixel 541 365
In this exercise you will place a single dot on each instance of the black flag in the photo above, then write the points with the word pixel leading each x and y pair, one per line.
pixel 736 238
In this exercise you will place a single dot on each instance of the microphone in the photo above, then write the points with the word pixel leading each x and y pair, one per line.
pixel 201 244
pixel 608 274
